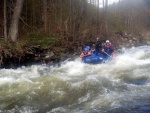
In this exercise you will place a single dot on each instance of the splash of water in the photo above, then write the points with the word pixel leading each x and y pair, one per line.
pixel 118 85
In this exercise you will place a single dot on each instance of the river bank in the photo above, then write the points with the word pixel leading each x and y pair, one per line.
pixel 14 56
pixel 29 55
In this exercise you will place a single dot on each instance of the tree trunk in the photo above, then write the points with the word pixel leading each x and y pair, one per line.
pixel 5 21
pixel 79 20
pixel 45 16
pixel 13 31
pixel 105 16
pixel 103 3
pixel 98 17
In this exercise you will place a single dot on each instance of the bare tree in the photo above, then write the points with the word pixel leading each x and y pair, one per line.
pixel 105 16
pixel 5 21
pixel 98 16
pixel 13 31
pixel 45 15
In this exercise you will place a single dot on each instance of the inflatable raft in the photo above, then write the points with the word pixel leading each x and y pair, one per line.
pixel 94 59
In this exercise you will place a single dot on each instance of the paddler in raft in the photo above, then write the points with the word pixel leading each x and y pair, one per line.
pixel 86 52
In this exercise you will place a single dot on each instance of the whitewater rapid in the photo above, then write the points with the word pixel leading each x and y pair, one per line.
pixel 118 86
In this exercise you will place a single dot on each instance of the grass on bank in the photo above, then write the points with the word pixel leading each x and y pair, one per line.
pixel 39 39
pixel 32 39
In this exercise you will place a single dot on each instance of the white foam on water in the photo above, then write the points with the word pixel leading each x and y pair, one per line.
pixel 116 81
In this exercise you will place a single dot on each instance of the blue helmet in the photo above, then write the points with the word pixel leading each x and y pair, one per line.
pixel 85 49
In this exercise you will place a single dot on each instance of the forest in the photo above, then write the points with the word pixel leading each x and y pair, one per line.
pixel 65 25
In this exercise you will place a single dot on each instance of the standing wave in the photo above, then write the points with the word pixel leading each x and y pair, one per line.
pixel 121 85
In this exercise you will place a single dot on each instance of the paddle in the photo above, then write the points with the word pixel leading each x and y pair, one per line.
pixel 107 54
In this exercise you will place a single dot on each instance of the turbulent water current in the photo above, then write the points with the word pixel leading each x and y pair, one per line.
pixel 118 86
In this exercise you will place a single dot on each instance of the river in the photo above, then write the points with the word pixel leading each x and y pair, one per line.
pixel 118 86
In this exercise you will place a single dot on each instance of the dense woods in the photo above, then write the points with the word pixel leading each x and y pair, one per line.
pixel 72 19
pixel 70 23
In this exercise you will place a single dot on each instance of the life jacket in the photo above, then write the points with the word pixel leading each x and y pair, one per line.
pixel 108 45
pixel 85 52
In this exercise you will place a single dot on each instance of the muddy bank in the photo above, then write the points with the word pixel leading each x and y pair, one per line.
pixel 29 55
